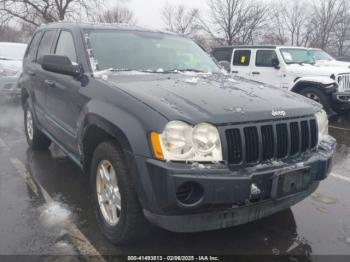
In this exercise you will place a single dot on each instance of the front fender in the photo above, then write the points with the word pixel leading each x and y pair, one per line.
pixel 132 134
pixel 325 83
pixel 127 128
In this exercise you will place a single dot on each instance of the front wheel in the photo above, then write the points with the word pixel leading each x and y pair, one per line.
pixel 118 211
pixel 342 109
pixel 35 138
pixel 318 96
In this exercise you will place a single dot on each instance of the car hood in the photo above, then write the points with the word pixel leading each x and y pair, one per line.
pixel 316 70
pixel 333 63
pixel 216 99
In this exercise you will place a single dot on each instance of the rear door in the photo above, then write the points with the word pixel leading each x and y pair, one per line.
pixel 63 96
pixel 241 60
pixel 263 70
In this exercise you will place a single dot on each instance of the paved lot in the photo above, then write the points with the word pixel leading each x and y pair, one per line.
pixel 45 209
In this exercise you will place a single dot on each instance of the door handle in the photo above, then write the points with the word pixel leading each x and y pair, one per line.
pixel 256 73
pixel 50 83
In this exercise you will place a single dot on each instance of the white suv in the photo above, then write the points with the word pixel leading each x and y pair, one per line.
pixel 291 68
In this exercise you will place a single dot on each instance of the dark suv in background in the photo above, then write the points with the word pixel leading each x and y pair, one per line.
pixel 166 137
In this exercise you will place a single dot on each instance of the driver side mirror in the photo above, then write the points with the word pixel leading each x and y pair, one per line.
pixel 60 65
pixel 276 63
pixel 225 65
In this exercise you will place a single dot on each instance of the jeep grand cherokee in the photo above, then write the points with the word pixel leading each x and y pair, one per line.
pixel 166 137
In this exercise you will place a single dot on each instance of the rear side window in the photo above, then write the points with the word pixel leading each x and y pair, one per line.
pixel 46 44
pixel 65 46
pixel 242 58
pixel 31 53
pixel 264 58
pixel 223 55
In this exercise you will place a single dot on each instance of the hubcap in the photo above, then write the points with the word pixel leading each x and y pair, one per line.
pixel 29 122
pixel 313 97
pixel 108 194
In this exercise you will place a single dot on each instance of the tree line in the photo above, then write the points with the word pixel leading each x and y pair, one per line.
pixel 318 23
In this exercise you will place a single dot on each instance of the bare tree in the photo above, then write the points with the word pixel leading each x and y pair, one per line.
pixel 288 22
pixel 324 18
pixel 36 12
pixel 235 21
pixel 180 19
pixel 342 29
pixel 296 19
pixel 276 32
pixel 9 34
pixel 118 14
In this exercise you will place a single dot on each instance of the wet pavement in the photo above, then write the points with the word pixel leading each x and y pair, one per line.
pixel 45 209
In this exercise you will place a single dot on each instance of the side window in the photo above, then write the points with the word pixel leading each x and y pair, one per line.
pixel 264 58
pixel 46 44
pixel 65 46
pixel 242 57
pixel 31 52
pixel 223 55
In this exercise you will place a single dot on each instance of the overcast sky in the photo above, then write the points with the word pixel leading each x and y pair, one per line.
pixel 147 12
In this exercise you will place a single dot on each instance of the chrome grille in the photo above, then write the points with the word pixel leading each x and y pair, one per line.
pixel 344 82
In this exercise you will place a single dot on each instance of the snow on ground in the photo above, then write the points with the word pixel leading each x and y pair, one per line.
pixel 55 215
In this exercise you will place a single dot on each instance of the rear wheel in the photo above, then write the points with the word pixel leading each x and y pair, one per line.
pixel 35 138
pixel 118 211
pixel 318 96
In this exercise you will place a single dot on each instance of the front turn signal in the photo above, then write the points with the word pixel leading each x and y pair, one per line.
pixel 156 146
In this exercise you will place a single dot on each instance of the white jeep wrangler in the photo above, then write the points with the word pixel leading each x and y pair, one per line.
pixel 291 68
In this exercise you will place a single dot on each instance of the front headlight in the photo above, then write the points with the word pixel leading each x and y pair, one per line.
pixel 322 123
pixel 182 142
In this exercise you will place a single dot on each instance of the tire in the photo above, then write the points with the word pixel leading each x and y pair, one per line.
pixel 342 109
pixel 318 96
pixel 35 138
pixel 129 224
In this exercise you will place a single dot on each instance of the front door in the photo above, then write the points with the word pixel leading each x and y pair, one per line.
pixel 63 96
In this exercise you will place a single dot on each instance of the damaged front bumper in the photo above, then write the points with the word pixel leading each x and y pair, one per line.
pixel 209 197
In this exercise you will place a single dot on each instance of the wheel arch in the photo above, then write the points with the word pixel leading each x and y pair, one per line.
pixel 302 84
pixel 96 130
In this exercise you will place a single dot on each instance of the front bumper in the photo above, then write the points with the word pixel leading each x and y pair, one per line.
pixel 226 198
pixel 8 86
pixel 341 97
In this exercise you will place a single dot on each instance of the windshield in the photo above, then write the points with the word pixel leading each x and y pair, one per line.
pixel 12 51
pixel 297 56
pixel 147 51
pixel 320 55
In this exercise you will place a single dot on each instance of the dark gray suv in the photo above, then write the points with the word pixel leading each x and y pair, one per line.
pixel 166 137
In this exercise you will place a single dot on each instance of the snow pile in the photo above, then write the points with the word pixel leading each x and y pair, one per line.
pixel 64 248
pixel 55 215
pixel 193 80
pixel 232 80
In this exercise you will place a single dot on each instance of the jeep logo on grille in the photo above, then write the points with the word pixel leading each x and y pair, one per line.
pixel 279 113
